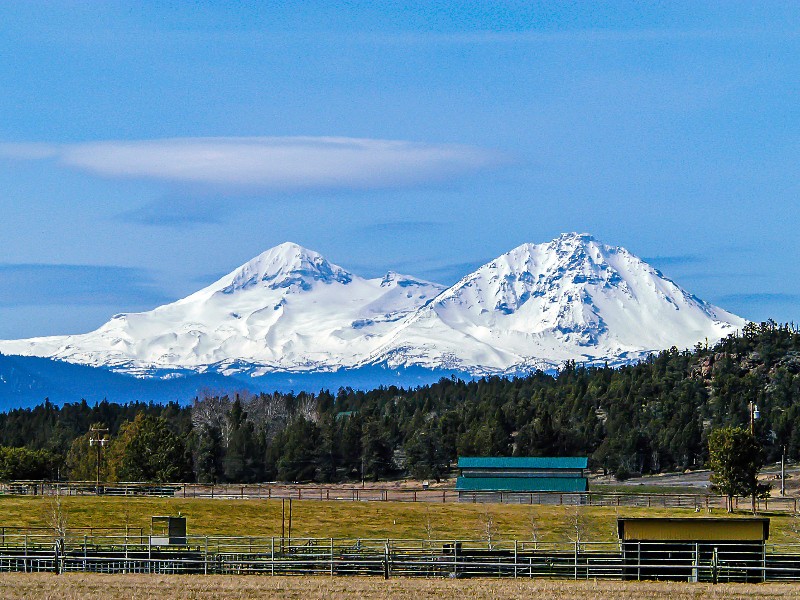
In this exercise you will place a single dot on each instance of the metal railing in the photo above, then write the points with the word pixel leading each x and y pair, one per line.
pixel 685 561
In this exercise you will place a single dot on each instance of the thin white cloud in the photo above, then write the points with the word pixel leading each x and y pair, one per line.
pixel 281 163
pixel 28 151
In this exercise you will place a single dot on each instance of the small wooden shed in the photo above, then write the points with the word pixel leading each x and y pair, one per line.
pixel 694 549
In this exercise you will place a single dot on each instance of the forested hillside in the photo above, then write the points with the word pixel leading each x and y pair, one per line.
pixel 649 417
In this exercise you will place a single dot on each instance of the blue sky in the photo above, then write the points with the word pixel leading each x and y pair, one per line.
pixel 148 148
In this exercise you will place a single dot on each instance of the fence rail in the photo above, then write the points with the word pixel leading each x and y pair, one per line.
pixel 713 561
pixel 698 502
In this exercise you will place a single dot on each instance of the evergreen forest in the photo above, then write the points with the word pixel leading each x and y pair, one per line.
pixel 650 417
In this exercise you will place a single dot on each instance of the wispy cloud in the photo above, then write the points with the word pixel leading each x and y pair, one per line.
pixel 64 284
pixel 177 212
pixel 451 272
pixel 569 36
pixel 270 163
pixel 761 298
pixel 676 260
pixel 402 227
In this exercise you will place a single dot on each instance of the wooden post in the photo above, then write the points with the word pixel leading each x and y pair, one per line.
pixel 290 524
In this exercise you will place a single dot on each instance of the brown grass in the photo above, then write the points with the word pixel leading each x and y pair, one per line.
pixel 396 520
pixel 18 586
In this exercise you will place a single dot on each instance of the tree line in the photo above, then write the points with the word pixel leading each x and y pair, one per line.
pixel 649 417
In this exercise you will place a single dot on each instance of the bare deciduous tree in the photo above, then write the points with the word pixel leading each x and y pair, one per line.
pixel 533 525
pixel 577 526
pixel 428 525
pixel 57 517
pixel 488 527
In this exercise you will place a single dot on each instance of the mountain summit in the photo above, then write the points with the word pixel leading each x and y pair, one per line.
pixel 573 298
pixel 289 309
pixel 285 266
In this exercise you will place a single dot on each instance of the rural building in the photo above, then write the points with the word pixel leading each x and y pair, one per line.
pixel 520 474
pixel 168 531
pixel 694 549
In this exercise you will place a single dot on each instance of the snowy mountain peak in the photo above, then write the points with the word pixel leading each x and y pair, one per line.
pixel 573 237
pixel 392 278
pixel 571 298
pixel 287 265
pixel 289 309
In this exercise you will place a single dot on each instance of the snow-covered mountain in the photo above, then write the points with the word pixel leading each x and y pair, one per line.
pixel 289 309
pixel 540 305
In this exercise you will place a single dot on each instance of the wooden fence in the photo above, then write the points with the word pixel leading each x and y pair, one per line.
pixel 698 502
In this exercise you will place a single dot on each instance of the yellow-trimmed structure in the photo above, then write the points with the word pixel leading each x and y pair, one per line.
pixel 694 529
pixel 694 549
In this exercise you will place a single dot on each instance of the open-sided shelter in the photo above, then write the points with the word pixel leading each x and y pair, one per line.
pixel 694 549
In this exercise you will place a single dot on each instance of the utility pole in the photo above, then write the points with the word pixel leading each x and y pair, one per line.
pixel 98 437
pixel 783 470
pixel 754 414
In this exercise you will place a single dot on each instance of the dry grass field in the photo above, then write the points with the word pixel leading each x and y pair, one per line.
pixel 18 586
pixel 396 520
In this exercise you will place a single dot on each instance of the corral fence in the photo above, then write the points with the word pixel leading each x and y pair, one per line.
pixel 109 553
pixel 698 502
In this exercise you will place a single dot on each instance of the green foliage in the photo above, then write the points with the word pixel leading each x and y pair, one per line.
pixel 23 463
pixel 735 457
pixel 650 417
pixel 425 455
pixel 376 453
pixel 81 460
pixel 298 445
pixel 147 450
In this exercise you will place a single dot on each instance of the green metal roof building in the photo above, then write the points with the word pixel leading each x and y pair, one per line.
pixel 522 474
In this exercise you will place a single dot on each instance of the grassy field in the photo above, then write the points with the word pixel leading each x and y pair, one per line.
pixel 20 586
pixel 347 519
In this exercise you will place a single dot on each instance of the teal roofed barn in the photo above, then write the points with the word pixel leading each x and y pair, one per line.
pixel 521 474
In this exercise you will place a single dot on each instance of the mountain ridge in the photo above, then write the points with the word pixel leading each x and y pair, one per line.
pixel 291 310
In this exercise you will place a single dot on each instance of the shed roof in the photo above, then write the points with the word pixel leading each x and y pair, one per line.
pixel 693 528
pixel 522 462
pixel 521 484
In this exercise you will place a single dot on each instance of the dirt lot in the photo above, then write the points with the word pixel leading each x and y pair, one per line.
pixel 162 587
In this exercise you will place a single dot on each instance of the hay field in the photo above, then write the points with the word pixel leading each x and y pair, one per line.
pixel 18 586
pixel 396 520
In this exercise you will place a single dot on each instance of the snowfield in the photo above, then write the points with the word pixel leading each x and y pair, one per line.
pixel 289 309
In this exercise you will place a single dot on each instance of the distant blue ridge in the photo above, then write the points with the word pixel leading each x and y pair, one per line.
pixel 25 381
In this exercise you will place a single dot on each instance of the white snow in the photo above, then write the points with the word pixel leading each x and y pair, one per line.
pixel 290 309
